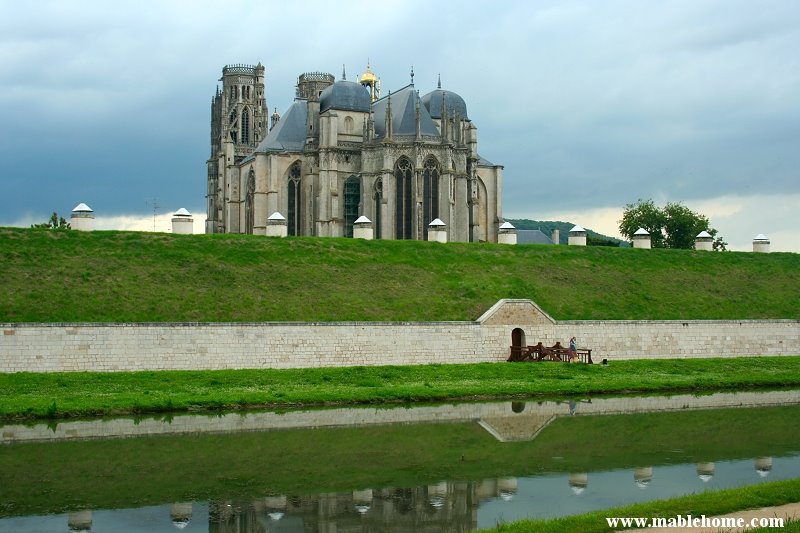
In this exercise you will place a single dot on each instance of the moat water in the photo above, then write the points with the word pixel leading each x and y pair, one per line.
pixel 453 467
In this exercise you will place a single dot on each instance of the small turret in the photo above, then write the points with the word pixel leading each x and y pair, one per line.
pixel 371 82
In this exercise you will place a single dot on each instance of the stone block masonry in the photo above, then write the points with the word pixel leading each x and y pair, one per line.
pixel 211 346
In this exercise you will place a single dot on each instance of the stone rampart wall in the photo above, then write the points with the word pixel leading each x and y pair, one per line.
pixel 188 346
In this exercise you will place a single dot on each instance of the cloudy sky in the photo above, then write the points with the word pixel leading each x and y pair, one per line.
pixel 589 104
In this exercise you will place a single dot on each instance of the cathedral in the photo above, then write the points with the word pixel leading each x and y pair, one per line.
pixel 341 151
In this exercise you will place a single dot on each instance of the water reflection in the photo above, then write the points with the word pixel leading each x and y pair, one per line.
pixel 463 467
pixel 442 506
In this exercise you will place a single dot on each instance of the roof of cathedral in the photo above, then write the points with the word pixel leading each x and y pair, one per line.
pixel 455 104
pixel 346 95
pixel 404 114
pixel 289 134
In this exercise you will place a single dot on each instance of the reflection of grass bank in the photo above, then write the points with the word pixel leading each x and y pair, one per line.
pixel 60 395
pixel 42 478
pixel 708 503
pixel 110 276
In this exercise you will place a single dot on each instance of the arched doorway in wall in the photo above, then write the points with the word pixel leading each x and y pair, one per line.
pixel 517 343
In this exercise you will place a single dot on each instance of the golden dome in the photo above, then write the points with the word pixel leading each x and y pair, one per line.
pixel 368 75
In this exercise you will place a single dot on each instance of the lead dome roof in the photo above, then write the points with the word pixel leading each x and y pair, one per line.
pixel 345 95
pixel 455 104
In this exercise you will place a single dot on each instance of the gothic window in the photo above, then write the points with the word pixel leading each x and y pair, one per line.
pixel 348 124
pixel 295 200
pixel 430 186
pixel 246 127
pixel 249 208
pixel 352 198
pixel 376 215
pixel 403 213
pixel 232 125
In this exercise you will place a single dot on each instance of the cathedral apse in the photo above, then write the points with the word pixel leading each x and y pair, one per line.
pixel 343 150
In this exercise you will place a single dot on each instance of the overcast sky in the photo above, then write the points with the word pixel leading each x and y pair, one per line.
pixel 589 105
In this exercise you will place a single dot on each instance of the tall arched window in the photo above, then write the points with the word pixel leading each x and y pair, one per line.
pixel 249 207
pixel 404 174
pixel 377 197
pixel 430 185
pixel 294 222
pixel 352 199
pixel 245 127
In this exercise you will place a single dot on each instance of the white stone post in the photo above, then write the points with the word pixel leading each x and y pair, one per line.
pixel 182 222
pixel 507 234
pixel 556 236
pixel 437 231
pixel 80 521
pixel 362 228
pixel 577 236
pixel 578 481
pixel 641 239
pixel 761 243
pixel 276 225
pixel 180 514
pixel 763 466
pixel 704 241
pixel 82 218
pixel 705 471
pixel 643 476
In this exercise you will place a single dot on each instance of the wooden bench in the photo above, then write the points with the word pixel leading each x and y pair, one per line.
pixel 540 352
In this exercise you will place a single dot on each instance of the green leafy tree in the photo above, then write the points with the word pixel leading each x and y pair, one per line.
pixel 673 226
pixel 55 222
pixel 643 214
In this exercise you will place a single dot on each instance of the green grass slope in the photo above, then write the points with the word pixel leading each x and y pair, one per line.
pixel 104 276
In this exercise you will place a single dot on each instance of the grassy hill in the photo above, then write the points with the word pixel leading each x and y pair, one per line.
pixel 104 276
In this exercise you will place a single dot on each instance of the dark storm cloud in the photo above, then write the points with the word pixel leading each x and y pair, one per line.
pixel 596 103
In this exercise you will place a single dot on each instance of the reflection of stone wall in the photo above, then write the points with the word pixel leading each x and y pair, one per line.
pixel 185 346
pixel 507 421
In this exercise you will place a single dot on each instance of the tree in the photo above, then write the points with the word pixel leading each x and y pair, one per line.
pixel 55 222
pixel 643 214
pixel 673 226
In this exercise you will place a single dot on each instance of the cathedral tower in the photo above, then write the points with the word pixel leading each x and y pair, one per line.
pixel 238 124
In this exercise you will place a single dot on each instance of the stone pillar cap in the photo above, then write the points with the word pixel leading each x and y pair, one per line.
pixel 437 222
pixel 577 229
pixel 362 220
pixel 82 208
pixel 276 216
pixel 182 212
pixel 641 231
pixel 704 235
pixel 507 225
pixel 760 237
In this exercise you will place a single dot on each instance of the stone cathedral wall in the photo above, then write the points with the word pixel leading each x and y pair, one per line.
pixel 200 346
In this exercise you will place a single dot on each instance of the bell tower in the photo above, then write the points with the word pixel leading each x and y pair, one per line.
pixel 238 124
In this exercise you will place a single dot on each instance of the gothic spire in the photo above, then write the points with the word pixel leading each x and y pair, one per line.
pixel 344 74
pixel 439 83
pixel 412 74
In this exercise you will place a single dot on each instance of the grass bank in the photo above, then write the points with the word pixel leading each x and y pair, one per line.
pixel 708 503
pixel 107 276
pixel 75 394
